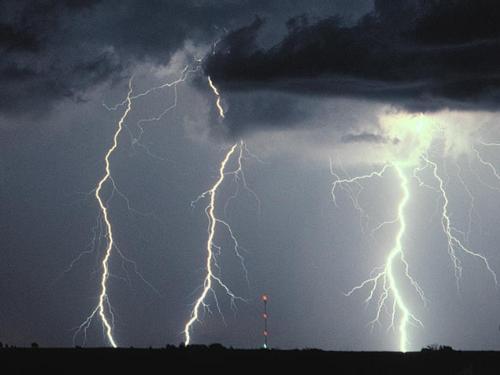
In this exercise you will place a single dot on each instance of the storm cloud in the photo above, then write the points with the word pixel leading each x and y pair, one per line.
pixel 366 138
pixel 420 55
pixel 57 50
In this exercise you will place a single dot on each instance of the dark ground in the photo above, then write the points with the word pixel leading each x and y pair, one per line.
pixel 219 360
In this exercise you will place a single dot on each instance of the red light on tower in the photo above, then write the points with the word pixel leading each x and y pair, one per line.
pixel 265 333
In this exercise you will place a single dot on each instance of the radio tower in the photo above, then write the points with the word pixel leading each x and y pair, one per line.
pixel 264 316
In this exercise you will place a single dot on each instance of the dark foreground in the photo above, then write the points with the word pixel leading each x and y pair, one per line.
pixel 221 361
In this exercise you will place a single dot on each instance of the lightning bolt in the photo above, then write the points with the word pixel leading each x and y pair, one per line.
pixel 210 277
pixel 471 210
pixel 104 306
pixel 103 297
pixel 385 278
pixel 489 165
pixel 383 285
pixel 218 101
pixel 104 309
pixel 454 243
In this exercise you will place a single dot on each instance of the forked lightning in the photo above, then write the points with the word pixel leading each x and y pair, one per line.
pixel 384 284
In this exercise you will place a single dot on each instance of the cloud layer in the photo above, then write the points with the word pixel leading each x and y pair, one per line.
pixel 55 50
pixel 422 55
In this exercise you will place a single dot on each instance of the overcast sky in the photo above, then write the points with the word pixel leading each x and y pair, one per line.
pixel 303 83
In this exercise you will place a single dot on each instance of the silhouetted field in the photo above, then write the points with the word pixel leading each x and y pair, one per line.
pixel 234 361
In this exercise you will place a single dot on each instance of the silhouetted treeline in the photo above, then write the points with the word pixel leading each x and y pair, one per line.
pixel 218 359
pixel 437 348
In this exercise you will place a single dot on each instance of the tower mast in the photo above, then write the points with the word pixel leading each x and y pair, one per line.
pixel 264 317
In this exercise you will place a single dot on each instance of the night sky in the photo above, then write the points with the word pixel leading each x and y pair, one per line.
pixel 318 90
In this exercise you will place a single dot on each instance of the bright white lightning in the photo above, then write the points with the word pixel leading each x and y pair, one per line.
pixel 383 279
pixel 103 308
pixel 488 165
pixel 103 297
pixel 213 220
pixel 471 205
pixel 104 304
pixel 384 276
pixel 210 276
pixel 453 242
pixel 218 101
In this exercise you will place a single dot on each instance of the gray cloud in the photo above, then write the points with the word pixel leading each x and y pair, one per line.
pixel 366 137
pixel 417 54
pixel 56 50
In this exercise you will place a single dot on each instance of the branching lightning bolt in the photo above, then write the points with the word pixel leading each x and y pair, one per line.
pixel 210 276
pixel 489 165
pixel 383 281
pixel 384 276
pixel 104 309
pixel 453 242
pixel 104 305
pixel 213 220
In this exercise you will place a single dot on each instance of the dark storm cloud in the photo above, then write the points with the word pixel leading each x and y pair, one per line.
pixel 265 109
pixel 57 49
pixel 366 138
pixel 423 55
pixel 38 66
pixel 53 50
